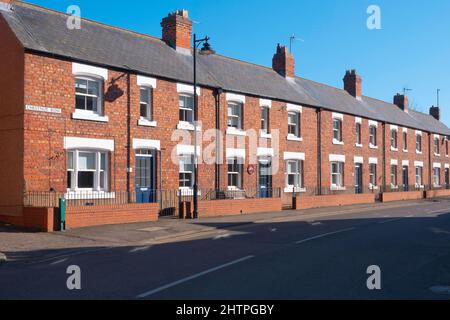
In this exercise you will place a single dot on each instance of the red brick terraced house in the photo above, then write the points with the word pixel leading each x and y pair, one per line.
pixel 89 115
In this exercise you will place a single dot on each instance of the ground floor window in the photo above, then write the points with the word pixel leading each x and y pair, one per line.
pixel 337 174
pixel 419 171
pixel 87 170
pixel 186 171
pixel 373 175
pixel 437 176
pixel 394 175
pixel 235 170
pixel 294 174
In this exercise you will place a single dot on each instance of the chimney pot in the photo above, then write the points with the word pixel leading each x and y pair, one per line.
pixel 353 83
pixel 283 62
pixel 177 29
pixel 401 101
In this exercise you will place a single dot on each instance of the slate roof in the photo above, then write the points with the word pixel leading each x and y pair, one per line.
pixel 45 31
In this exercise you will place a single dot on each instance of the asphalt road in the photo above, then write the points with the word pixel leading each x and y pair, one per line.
pixel 284 258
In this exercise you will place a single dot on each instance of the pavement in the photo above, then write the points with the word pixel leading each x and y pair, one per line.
pixel 314 254
pixel 20 245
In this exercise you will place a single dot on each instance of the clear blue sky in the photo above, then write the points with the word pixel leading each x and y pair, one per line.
pixel 411 50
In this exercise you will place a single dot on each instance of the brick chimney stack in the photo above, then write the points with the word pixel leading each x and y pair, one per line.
pixel 283 62
pixel 177 30
pixel 401 101
pixel 353 83
pixel 435 112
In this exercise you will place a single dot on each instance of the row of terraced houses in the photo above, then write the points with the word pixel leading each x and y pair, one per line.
pixel 89 115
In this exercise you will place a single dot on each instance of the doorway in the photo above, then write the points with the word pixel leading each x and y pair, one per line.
pixel 405 178
pixel 145 176
pixel 265 178
pixel 358 178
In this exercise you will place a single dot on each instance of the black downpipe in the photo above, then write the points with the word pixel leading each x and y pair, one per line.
pixel 217 94
pixel 128 135
pixel 430 165
pixel 319 152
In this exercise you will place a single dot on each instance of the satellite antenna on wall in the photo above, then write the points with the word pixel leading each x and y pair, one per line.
pixel 291 41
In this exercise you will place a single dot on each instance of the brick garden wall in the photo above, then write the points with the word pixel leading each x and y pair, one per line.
pixel 236 207
pixel 401 196
pixel 309 202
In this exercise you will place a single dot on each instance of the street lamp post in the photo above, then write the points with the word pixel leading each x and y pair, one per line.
pixel 206 50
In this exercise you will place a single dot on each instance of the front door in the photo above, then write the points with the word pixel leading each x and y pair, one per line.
pixel 405 179
pixel 358 178
pixel 265 178
pixel 145 176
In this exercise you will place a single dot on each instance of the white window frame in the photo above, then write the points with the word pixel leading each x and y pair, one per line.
pixel 437 146
pixel 238 162
pixel 437 176
pixel 358 133
pixel 394 176
pixel 373 143
pixel 394 139
pixel 97 171
pixel 419 176
pixel 182 165
pixel 419 143
pixel 298 176
pixel 148 105
pixel 186 110
pixel 99 97
pixel 337 132
pixel 296 125
pixel 339 174
pixel 405 140
pixel 373 175
pixel 231 107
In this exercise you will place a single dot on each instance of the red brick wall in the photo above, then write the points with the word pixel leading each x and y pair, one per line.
pixel 437 194
pixel 79 217
pixel 309 202
pixel 401 196
pixel 236 207
pixel 41 219
pixel 11 122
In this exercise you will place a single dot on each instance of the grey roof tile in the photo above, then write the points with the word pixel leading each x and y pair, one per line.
pixel 45 31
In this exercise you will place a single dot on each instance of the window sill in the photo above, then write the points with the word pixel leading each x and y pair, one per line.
pixel 405 151
pixel 371 146
pixel 187 126
pixel 89 195
pixel 419 152
pixel 236 132
pixel 437 155
pixel 394 149
pixel 394 187
pixel 89 117
pixel 372 187
pixel 265 135
pixel 336 142
pixel 292 189
pixel 359 145
pixel 336 188
pixel 419 187
pixel 143 122
pixel 294 138
pixel 437 186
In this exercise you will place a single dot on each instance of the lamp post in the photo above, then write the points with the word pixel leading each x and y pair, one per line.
pixel 206 50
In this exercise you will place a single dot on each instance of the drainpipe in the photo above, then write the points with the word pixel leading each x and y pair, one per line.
pixel 384 157
pixel 319 151
pixel 430 164
pixel 128 135
pixel 217 94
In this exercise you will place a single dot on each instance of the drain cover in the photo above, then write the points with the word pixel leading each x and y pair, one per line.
pixel 441 289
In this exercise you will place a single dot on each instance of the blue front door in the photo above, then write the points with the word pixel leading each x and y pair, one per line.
pixel 145 178
pixel 265 178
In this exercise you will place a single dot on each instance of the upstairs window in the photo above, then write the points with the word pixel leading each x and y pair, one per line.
pixel 87 170
pixel 446 147
pixel 394 144
pixel 186 103
pixel 358 134
pixel 437 146
pixel 294 124
pixel 88 96
pixel 373 136
pixel 235 115
pixel 405 141
pixel 265 119
pixel 419 143
pixel 337 130
pixel 146 103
